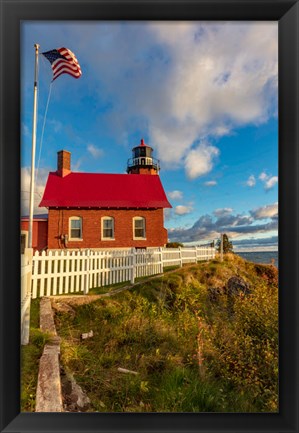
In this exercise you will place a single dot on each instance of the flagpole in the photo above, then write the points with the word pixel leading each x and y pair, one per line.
pixel 31 201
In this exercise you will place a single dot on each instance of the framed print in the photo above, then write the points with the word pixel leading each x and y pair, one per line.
pixel 157 270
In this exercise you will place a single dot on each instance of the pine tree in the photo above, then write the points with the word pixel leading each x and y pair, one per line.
pixel 227 245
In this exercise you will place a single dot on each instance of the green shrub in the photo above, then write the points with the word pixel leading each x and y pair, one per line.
pixel 30 355
pixel 244 352
pixel 39 338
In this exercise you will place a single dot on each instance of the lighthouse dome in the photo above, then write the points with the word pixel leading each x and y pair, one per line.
pixel 142 161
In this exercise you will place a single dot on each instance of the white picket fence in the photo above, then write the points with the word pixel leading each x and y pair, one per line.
pixel 26 278
pixel 66 272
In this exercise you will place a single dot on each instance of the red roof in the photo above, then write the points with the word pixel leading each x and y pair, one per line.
pixel 104 190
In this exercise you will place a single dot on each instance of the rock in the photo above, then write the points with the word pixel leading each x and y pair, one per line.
pixel 48 392
pixel 124 370
pixel 46 316
pixel 63 307
pixel 75 400
pixel 78 397
pixel 214 293
pixel 86 335
pixel 236 286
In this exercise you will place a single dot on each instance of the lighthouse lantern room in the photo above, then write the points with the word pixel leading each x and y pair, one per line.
pixel 142 161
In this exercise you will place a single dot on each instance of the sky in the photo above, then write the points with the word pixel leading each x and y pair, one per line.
pixel 203 95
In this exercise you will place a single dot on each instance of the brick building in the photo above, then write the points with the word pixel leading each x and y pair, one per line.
pixel 96 210
pixel 39 232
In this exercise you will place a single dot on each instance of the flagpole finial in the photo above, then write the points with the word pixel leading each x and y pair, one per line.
pixel 36 46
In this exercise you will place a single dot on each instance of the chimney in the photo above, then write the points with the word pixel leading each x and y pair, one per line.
pixel 63 163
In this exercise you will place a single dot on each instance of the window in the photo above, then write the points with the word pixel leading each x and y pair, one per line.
pixel 24 241
pixel 107 228
pixel 139 228
pixel 75 228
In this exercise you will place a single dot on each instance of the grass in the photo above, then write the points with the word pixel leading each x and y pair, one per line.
pixel 106 289
pixel 157 329
pixel 30 355
pixel 111 287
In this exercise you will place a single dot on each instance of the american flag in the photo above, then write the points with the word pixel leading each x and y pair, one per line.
pixel 63 61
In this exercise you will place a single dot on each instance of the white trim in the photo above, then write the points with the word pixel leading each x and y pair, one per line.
pixel 139 218
pixel 143 160
pixel 75 218
pixel 104 238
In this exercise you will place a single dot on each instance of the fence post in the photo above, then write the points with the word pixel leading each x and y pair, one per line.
pixel 133 269
pixel 86 287
pixel 180 257
pixel 221 247
pixel 161 259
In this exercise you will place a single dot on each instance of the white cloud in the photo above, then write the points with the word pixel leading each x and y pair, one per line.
pixel 222 212
pixel 271 182
pixel 25 130
pixel 186 80
pixel 167 214
pixel 38 190
pixel 251 181
pixel 268 211
pixel 221 130
pixel 94 151
pixel 175 195
pixel 263 176
pixel 183 210
pixel 200 160
pixel 268 180
pixel 210 183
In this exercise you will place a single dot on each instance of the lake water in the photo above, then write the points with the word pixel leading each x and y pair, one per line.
pixel 264 257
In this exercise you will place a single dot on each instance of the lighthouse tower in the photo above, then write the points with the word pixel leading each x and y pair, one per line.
pixel 142 161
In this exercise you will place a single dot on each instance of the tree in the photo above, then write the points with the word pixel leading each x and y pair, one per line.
pixel 227 245
pixel 174 245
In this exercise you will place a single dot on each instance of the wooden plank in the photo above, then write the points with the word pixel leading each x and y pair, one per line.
pixel 42 274
pixel 49 272
pixel 55 272
pixel 35 275
pixel 72 267
pixel 68 271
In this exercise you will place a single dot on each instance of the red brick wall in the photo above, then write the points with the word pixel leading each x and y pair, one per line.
pixel 156 234
pixel 63 162
pixel 39 233
pixel 142 170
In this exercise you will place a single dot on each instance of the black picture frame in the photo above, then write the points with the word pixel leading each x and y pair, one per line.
pixel 286 12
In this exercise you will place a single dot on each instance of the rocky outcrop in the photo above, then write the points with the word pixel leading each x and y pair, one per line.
pixel 214 293
pixel 236 286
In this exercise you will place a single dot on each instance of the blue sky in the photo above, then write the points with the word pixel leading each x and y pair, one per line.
pixel 202 94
